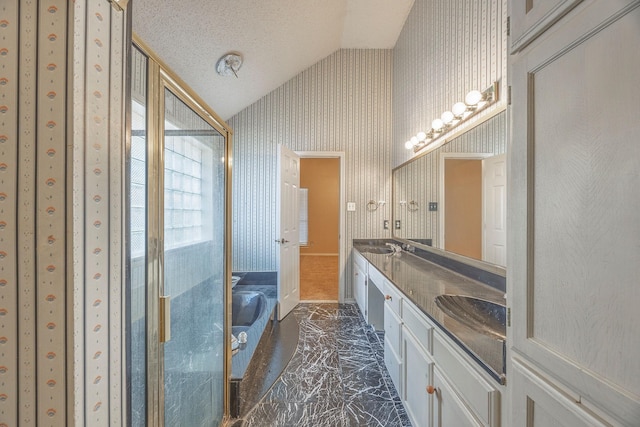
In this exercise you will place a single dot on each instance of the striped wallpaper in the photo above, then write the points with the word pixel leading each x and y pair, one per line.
pixel 342 103
pixel 446 49
pixel 60 192
pixel 352 101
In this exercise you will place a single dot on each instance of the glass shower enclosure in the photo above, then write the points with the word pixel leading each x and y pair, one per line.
pixel 178 355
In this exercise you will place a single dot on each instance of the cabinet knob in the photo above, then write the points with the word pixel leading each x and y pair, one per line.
pixel 431 389
pixel 387 297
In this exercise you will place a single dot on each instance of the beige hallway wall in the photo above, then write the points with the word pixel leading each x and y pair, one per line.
pixel 322 177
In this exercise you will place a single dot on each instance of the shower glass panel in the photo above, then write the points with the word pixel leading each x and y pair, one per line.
pixel 194 237
pixel 137 259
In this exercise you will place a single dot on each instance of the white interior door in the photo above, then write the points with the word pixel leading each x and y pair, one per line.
pixel 287 232
pixel 494 247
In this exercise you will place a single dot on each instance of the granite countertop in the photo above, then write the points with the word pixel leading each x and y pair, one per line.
pixel 421 281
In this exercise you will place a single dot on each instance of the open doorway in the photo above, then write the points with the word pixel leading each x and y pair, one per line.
pixel 320 228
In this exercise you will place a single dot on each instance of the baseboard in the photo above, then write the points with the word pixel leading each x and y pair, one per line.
pixel 318 301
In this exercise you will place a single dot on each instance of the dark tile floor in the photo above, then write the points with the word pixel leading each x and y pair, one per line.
pixel 336 377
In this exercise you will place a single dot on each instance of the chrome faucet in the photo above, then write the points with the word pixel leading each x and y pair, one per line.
pixel 396 249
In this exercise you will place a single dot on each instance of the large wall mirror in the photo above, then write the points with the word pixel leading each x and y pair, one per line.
pixel 454 197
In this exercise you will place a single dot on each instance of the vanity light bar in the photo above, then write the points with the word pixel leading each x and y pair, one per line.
pixel 474 102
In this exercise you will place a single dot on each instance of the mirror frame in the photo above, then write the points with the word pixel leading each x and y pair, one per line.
pixel 486 266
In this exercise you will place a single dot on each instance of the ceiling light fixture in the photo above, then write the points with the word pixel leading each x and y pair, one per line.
pixel 475 101
pixel 229 64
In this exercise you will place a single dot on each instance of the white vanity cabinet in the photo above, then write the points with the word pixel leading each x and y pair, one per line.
pixel 418 376
pixel 439 384
pixel 360 268
pixel 442 386
pixel 393 356
pixel 369 298
pixel 392 349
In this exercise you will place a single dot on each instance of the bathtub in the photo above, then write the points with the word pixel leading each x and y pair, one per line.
pixel 247 307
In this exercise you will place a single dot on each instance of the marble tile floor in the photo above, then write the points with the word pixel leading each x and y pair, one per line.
pixel 336 377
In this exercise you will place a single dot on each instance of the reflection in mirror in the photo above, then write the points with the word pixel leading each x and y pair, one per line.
pixel 454 197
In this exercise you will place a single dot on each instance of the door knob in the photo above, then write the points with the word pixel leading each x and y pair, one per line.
pixel 282 241
pixel 387 297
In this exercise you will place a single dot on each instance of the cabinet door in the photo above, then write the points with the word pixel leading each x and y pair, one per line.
pixel 393 362
pixel 392 350
pixel 529 18
pixel 417 376
pixel 573 207
pixel 537 403
pixel 393 329
pixel 448 409
pixel 359 289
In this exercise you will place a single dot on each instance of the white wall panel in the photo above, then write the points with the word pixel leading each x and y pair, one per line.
pixel 342 103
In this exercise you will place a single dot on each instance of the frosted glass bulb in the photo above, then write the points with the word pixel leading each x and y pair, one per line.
pixel 459 108
pixel 437 124
pixel 414 140
pixel 408 145
pixel 447 117
pixel 421 136
pixel 473 97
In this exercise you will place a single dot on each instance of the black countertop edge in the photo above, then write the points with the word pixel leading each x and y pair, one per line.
pixel 491 279
pixel 500 378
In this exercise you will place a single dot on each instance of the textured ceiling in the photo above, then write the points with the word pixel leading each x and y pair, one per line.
pixel 277 38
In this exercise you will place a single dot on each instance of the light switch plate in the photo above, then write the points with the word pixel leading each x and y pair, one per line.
pixel 351 206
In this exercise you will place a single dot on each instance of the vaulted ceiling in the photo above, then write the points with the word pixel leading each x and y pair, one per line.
pixel 277 38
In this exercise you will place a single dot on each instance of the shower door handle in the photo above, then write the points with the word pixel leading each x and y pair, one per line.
pixel 282 241
pixel 165 318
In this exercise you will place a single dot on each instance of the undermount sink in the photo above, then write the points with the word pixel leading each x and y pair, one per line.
pixel 483 316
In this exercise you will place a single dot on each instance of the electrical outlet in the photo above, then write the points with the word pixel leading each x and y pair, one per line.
pixel 385 224
pixel 351 206
pixel 433 206
pixel 397 224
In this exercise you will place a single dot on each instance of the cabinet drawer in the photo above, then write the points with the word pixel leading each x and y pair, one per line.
pixel 377 278
pixel 393 329
pixel 417 376
pixel 475 391
pixel 393 298
pixel 418 324
pixel 393 363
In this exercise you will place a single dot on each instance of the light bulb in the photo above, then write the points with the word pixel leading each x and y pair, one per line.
pixel 447 117
pixel 414 140
pixel 408 145
pixel 421 136
pixel 459 108
pixel 437 124
pixel 473 97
